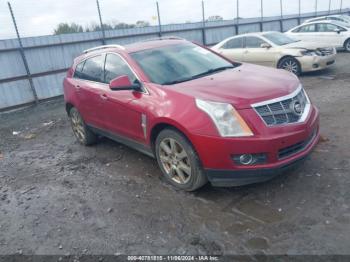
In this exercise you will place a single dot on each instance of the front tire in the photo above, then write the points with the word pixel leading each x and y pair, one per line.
pixel 290 64
pixel 178 161
pixel 81 131
pixel 347 45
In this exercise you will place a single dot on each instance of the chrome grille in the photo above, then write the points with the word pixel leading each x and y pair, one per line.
pixel 326 51
pixel 283 111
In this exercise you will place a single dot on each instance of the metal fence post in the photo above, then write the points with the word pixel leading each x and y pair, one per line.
pixel 24 59
pixel 316 2
pixel 237 17
pixel 101 23
pixel 299 13
pixel 281 20
pixel 262 15
pixel 159 23
pixel 329 6
pixel 341 6
pixel 203 25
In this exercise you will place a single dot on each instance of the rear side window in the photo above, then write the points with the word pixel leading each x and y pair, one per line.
pixel 234 43
pixel 306 29
pixel 91 69
pixel 253 42
pixel 115 67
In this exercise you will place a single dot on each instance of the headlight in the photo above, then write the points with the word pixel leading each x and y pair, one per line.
pixel 226 119
pixel 310 53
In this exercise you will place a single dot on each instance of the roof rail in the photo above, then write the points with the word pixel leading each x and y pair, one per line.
pixel 103 47
pixel 164 38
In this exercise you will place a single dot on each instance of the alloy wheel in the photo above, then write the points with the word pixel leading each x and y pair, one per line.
pixel 175 160
pixel 77 125
pixel 290 66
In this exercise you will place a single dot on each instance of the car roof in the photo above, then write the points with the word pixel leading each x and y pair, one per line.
pixel 255 34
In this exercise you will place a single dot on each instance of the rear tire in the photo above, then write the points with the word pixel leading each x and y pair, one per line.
pixel 178 161
pixel 81 131
pixel 290 64
pixel 347 45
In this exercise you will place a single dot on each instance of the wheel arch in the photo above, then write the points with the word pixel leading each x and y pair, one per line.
pixel 168 124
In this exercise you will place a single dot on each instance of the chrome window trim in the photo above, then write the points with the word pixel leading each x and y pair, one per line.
pixel 282 98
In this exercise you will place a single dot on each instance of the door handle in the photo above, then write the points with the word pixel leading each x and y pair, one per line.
pixel 77 87
pixel 104 96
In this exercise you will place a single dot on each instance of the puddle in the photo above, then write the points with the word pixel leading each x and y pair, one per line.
pixel 258 243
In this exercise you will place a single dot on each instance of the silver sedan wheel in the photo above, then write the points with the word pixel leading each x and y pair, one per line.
pixel 175 160
pixel 290 66
pixel 77 125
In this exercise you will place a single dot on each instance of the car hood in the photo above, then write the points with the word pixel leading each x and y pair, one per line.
pixel 242 86
pixel 306 45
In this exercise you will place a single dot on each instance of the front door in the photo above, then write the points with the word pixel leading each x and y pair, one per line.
pixel 124 109
pixel 254 53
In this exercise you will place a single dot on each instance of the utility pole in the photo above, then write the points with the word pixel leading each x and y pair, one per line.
pixel 159 23
pixel 203 24
pixel 24 59
pixel 101 23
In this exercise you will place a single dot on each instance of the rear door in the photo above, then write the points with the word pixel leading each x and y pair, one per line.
pixel 233 49
pixel 90 89
pixel 254 53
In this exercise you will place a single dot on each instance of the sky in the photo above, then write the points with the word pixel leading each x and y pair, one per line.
pixel 40 17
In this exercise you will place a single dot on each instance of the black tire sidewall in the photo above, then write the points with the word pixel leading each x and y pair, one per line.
pixel 197 177
pixel 346 45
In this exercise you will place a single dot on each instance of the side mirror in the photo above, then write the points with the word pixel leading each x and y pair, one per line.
pixel 265 45
pixel 123 83
pixel 337 30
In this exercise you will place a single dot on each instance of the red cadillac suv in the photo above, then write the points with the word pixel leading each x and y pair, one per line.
pixel 200 115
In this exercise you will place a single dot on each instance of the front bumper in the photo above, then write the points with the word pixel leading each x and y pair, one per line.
pixel 315 63
pixel 216 153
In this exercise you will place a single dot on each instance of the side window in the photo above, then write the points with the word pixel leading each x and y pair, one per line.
pixel 116 66
pixel 93 69
pixel 307 28
pixel 234 43
pixel 326 27
pixel 253 42
pixel 79 70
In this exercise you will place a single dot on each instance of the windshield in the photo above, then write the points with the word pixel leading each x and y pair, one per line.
pixel 178 63
pixel 279 38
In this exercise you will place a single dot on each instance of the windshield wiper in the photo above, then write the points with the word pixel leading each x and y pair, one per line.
pixel 212 71
pixel 209 72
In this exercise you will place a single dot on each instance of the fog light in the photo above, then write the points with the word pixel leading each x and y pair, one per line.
pixel 249 159
pixel 246 159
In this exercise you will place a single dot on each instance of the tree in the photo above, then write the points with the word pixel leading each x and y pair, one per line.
pixel 65 28
pixel 142 23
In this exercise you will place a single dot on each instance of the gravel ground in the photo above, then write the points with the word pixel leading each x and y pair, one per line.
pixel 57 197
